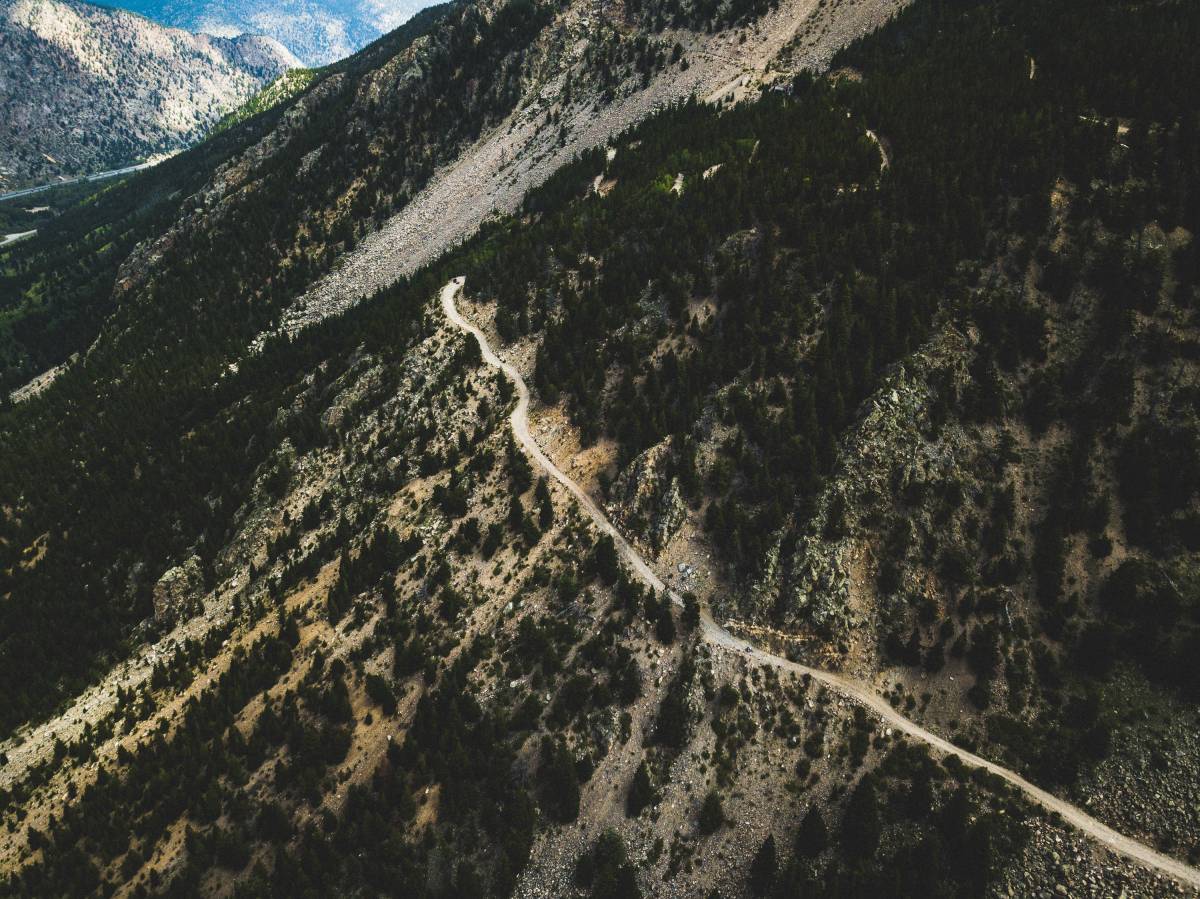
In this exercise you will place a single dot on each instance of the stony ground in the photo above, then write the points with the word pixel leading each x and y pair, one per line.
pixel 1094 869
pixel 494 175
pixel 30 751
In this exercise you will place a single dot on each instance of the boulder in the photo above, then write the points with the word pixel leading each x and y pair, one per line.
pixel 647 501
pixel 176 588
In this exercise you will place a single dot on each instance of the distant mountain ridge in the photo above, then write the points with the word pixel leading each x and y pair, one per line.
pixel 85 88
pixel 317 32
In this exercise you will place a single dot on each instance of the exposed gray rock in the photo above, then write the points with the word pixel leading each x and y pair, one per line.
pixel 89 89
pixel 176 588
pixel 646 500
pixel 885 451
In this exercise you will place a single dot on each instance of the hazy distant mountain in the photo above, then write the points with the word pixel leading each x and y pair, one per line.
pixel 317 32
pixel 84 88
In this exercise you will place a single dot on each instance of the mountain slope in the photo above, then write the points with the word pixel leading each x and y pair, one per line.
pixel 304 619
pixel 576 102
pixel 277 92
pixel 317 33
pixel 85 88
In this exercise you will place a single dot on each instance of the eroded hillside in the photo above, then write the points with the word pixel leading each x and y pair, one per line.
pixel 416 653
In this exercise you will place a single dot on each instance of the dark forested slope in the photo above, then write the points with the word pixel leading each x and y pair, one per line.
pixel 973 366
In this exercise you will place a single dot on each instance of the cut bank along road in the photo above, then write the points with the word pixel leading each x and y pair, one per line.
pixel 853 689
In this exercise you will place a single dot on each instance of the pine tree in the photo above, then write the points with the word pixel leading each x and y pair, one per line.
pixel 763 868
pixel 559 781
pixel 812 837
pixel 545 506
pixel 712 813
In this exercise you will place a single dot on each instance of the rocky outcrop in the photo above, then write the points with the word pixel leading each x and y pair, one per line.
pixel 885 452
pixel 819 586
pixel 646 500
pixel 358 385
pixel 176 589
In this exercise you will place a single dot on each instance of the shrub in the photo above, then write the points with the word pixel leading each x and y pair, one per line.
pixel 1138 592
pixel 641 792
pixel 607 871
pixel 380 692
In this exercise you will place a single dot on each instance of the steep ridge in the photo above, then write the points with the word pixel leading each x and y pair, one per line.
pixel 578 71
pixel 217 185
pixel 86 88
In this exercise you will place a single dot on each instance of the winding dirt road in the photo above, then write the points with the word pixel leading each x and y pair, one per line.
pixel 856 690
